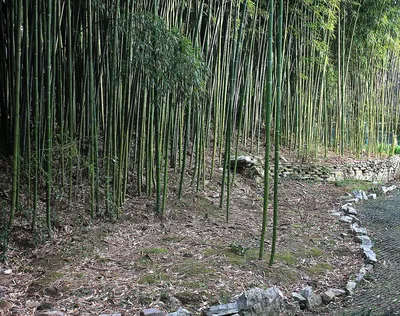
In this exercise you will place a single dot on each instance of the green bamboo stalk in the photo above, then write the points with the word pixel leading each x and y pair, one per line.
pixel 267 127
pixel 16 117
pixel 277 132
pixel 49 112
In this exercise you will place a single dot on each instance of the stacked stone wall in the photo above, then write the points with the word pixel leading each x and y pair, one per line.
pixel 373 170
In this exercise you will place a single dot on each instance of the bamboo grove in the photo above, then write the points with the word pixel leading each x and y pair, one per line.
pixel 119 96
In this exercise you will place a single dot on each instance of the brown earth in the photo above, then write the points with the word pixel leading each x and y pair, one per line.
pixel 191 256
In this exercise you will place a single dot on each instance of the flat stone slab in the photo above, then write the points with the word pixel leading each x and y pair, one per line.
pixel 357 230
pixel 350 287
pixel 370 256
pixel 365 241
pixel 222 310
pixel 346 219
pixel 151 312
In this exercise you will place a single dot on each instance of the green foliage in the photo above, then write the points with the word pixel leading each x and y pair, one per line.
pixel 378 27
pixel 384 148
pixel 397 150
pixel 238 249
pixel 166 57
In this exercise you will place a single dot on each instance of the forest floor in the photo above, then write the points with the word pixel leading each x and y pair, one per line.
pixel 190 257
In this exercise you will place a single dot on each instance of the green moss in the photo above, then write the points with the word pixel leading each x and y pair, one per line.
pixel 320 268
pixel 153 278
pixel 210 251
pixel 314 252
pixel 195 285
pixel 50 277
pixel 286 257
pixel 234 258
pixel 368 277
pixel 193 268
pixel 154 250
pixel 353 184
pixel 299 225
pixel 224 297
pixel 145 299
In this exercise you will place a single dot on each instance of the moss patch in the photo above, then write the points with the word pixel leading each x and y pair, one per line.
pixel 315 252
pixel 153 278
pixel 50 277
pixel 353 184
pixel 149 251
pixel 193 268
pixel 286 257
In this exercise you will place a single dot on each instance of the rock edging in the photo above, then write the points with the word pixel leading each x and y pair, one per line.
pixel 372 170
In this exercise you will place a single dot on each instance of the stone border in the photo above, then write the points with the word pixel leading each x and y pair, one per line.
pixel 372 170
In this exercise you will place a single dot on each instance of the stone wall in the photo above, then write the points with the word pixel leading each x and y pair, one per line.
pixel 373 170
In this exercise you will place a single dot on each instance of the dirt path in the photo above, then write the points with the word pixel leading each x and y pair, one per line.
pixel 381 294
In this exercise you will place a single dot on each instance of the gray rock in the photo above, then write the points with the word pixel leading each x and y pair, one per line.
pixel 298 297
pixel 355 200
pixel 360 194
pixel 357 230
pixel 257 302
pixel 388 189
pixel 306 292
pixel 355 220
pixel 313 301
pixel 242 162
pixel 367 268
pixel 184 312
pixel 365 241
pixel 117 314
pixel 49 313
pixel 172 302
pixel 328 296
pixel 346 219
pixel 349 210
pixel 371 196
pixel 350 287
pixel 331 294
pixel 221 310
pixel 151 312
pixel 337 214
pixel 338 292
pixel 370 256
pixel 359 277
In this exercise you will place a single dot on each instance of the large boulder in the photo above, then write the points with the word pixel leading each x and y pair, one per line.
pixel 258 302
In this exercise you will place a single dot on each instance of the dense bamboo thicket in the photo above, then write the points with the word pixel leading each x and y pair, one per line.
pixel 103 94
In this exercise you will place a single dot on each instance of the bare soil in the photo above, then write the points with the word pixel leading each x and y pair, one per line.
pixel 191 256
